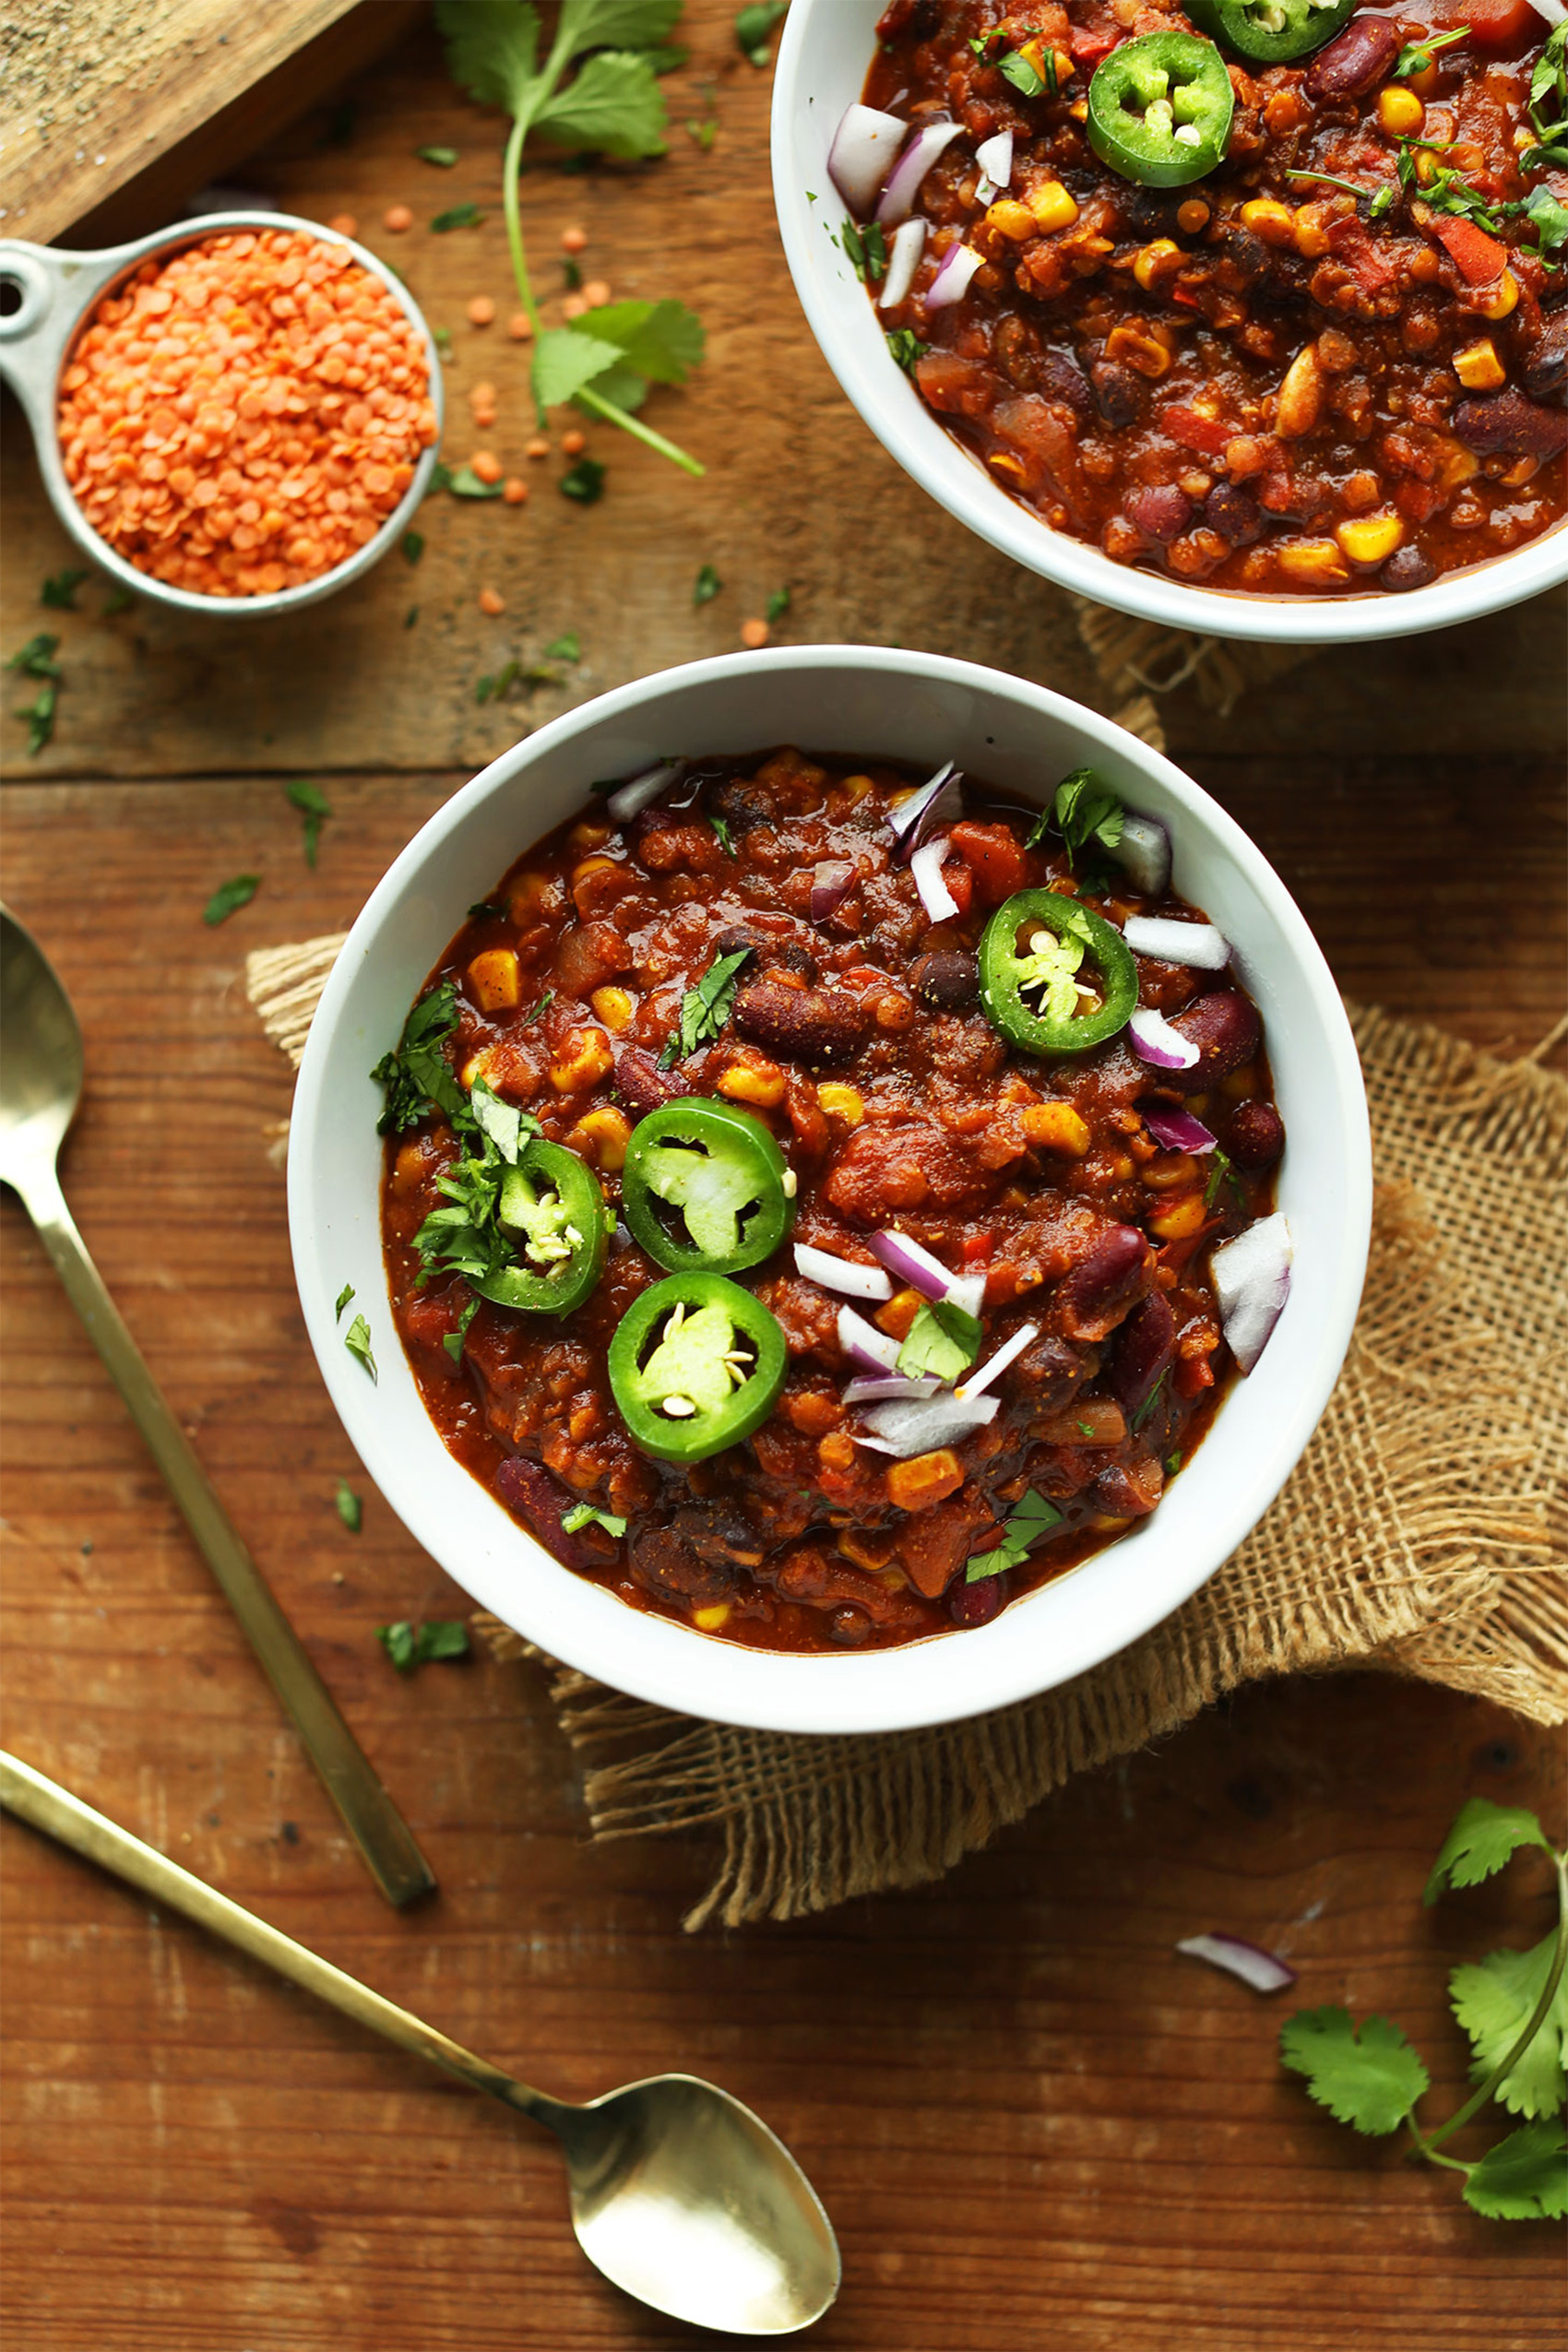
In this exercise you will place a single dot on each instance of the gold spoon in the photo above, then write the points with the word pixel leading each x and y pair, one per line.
pixel 40 1084
pixel 680 2194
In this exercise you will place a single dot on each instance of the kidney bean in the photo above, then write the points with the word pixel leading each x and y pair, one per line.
pixel 1255 1134
pixel 945 978
pixel 1051 1366
pixel 1131 1492
pixel 1144 1346
pixel 1509 425
pixel 1117 392
pixel 1224 1027
pixel 1355 61
pixel 1097 1293
pixel 1233 514
pixel 1408 569
pixel 665 1564
pixel 1061 378
pixel 808 1023
pixel 978 1604
pixel 643 1086
pixel 523 1486
pixel 1159 510
pixel 1544 371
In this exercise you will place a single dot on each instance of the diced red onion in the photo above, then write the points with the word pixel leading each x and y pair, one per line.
pixel 905 1430
pixel 625 802
pixel 912 1264
pixel 840 1273
pixel 967 1291
pixel 904 181
pixel 1553 11
pixel 831 881
pixel 906 820
pixel 873 1351
pixel 1178 1131
pixel 977 1382
pixel 1144 853
pixel 876 1390
pixel 1265 1971
pixel 926 867
pixel 865 147
pixel 1252 1282
pixel 1155 1042
pixel 995 156
pixel 903 260
pixel 951 282
pixel 1199 944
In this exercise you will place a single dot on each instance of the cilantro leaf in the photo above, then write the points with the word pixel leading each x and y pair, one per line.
pixel 615 106
pixel 706 1008
pixel 1084 810
pixel 1222 1171
pixel 356 1339
pixel 1025 75
pixel 1417 57
pixel 1524 2178
pixel 350 1508
pixel 1481 1841
pixel 463 482
pixel 584 1514
pixel 409 1646
pixel 412 545
pixel 867 248
pixel 1027 1521
pixel 565 360
pixel 617 24
pixel 585 482
pixel 458 215
pixel 943 1339
pixel 60 589
pixel 721 827
pixel 753 26
pixel 344 1297
pixel 453 1341
pixel 708 586
pixel 536 1012
pixel 230 897
pixel 314 807
pixel 492 48
pixel 446 157
pixel 1548 218
pixel 416 1073
pixel 397 1641
pixel 907 347
pixel 39 716
pixel 565 648
pixel 777 604
pixel 36 659
pixel 506 1126
pixel 1494 2000
pixel 662 340
pixel 1366 2075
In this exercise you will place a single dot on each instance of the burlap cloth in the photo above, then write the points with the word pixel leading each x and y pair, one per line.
pixel 1425 1530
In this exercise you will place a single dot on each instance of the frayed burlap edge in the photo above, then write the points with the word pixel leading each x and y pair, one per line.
pixel 1145 658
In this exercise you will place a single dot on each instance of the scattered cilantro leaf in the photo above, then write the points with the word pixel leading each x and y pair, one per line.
pixel 36 659
pixel 350 1508
pixel 537 1012
pixel 463 482
pixel 720 827
pixel 1482 1840
pixel 1524 2178
pixel 662 340
pixel 409 1646
pixel 442 338
pixel 230 897
pixel 445 156
pixel 708 586
pixel 1366 2075
pixel 566 647
pixel 344 1297
pixel 39 716
pixel 1135 1420
pixel 1027 1521
pixel 943 1339
pixel 410 616
pixel 1222 1171
pixel 777 604
pixel 1546 216
pixel 1025 75
pixel 866 247
pixel 1494 2000
pixel 753 26
pixel 703 134
pixel 60 589
pixel 314 808
pixel 907 347
pixel 706 1008
pixel 1417 56
pixel 453 1341
pixel 585 482
pixel 584 1514
pixel 412 545
pixel 615 106
pixel 458 215
pixel 356 1339
pixel 1084 810
pixel 1549 106
pixel 416 1073
pixel 571 275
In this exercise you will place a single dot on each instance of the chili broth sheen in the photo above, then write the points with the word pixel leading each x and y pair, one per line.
pixel 1257 379
pixel 858 1041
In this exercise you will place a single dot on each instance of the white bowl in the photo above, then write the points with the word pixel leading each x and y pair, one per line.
pixel 875 703
pixel 824 57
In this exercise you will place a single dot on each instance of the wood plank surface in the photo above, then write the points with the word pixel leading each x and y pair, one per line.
pixel 1037 2128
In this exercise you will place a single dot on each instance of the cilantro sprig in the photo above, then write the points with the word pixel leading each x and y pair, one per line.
pixel 1514 2006
pixel 706 1008
pixel 594 91
pixel 1549 107
pixel 417 1074
pixel 1417 56
pixel 1084 812
pixel 1026 1523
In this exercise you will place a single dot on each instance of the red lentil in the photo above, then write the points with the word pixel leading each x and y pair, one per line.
pixel 754 635
pixel 486 464
pixel 490 601
pixel 573 240
pixel 398 217
pixel 481 311
pixel 515 491
pixel 573 443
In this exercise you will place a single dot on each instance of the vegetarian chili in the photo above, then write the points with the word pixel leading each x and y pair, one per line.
pixel 822 1238
pixel 1268 295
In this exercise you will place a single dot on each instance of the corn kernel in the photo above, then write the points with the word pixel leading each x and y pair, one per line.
pixel 1191 216
pixel 1141 346
pixel 585 1058
pixel 476 1067
pixel 1149 262
pixel 1013 469
pixel 533 894
pixel 1456 464
pixel 840 1102
pixel 614 1008
pixel 855 787
pixel 602 1135
pixel 1272 221
pixel 1056 1126
pixel 585 836
pixel 1371 539
pixel 899 1312
pixel 1315 563
pixel 1180 1220
pixel 1399 112
pixel 1505 300
pixel 927 1479
pixel 589 865
pixel 759 1083
pixel 709 1620
pixel 1427 167
pixel 1011 219
pixel 1311 231
pixel 495 981
pixel 1051 206
pixel 1170 1170
pixel 1477 366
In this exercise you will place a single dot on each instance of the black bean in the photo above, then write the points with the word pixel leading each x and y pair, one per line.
pixel 1118 394
pixel 664 1563
pixel 1247 255
pixel 1233 514
pixel 742 809
pixel 1255 1134
pixel 945 978
pixel 717 1532
pixel 1408 569
pixel 1061 378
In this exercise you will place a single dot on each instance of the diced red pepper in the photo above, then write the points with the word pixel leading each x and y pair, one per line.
pixel 1205 435
pixel 976 1249
pixel 1194 1374
pixel 1090 45
pixel 1477 256
pixel 993 853
pixel 1499 24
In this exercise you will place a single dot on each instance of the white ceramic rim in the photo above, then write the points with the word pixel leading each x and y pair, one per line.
pixel 59 288
pixel 977 1671
pixel 837 311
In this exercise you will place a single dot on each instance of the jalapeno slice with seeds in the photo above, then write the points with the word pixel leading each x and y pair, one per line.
pixel 553 1212
pixel 1033 984
pixel 696 1365
pixel 1271 32
pixel 704 1187
pixel 1160 109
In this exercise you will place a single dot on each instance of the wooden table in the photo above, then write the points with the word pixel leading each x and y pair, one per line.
pixel 1034 2125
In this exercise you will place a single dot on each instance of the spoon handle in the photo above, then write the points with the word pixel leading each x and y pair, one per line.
pixel 374 1822
pixel 41 1802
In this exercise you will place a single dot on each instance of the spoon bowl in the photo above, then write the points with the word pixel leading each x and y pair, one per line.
pixel 40 1068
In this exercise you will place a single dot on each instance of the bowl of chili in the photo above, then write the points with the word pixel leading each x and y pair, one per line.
pixel 693 1352
pixel 1255 324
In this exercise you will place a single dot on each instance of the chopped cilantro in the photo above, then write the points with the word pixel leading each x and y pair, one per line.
pixel 230 897
pixel 445 158
pixel 572 276
pixel 1026 1523
pixel 706 1008
pixel 314 808
pixel 410 616
pixel 356 1339
pixel 907 347
pixel 60 589
pixel 566 647
pixel 409 1646
pixel 943 1339
pixel 453 1342
pixel 721 827
pixel 442 338
pixel 412 545
pixel 344 1297
pixel 753 26
pixel 585 482
pixel 1222 1171
pixel 1025 75
pixel 867 249
pixel 777 604
pixel 350 1508
pixel 708 586
pixel 1084 812
pixel 417 1074
pixel 1417 56
pixel 119 600
pixel 463 482
pixel 458 215
pixel 703 133
pixel 584 1514
pixel 537 1012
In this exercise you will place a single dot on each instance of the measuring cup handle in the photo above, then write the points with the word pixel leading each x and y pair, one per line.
pixel 50 290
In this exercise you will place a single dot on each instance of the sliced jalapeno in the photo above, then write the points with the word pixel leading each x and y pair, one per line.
pixel 552 1213
pixel 696 1365
pixel 1272 31
pixel 703 1187
pixel 1160 109
pixel 1031 955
